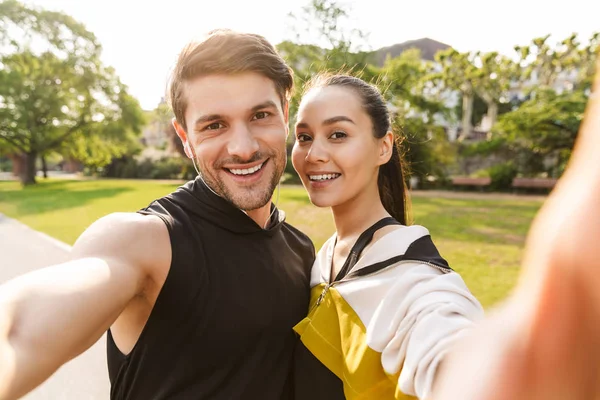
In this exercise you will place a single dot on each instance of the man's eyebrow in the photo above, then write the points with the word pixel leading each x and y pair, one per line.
pixel 206 118
pixel 265 104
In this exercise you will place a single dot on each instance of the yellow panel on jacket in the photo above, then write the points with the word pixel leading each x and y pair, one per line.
pixel 351 359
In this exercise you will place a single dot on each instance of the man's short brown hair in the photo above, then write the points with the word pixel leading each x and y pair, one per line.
pixel 229 52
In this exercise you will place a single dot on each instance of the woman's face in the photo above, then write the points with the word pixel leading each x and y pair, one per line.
pixel 336 154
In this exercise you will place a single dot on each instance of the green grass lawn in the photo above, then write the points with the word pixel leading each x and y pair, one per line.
pixel 481 236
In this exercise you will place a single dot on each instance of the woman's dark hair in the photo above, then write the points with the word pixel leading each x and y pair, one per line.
pixel 392 188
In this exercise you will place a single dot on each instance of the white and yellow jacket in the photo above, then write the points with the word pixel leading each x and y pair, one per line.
pixel 384 328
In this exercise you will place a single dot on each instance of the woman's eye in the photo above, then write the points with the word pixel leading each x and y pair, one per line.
pixel 261 115
pixel 302 137
pixel 338 135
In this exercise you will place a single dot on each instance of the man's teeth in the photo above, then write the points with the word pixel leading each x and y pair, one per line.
pixel 246 171
pixel 323 177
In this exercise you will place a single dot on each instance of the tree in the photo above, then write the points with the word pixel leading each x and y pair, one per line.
pixel 492 80
pixel 322 44
pixel 404 82
pixel 413 102
pixel 458 73
pixel 586 62
pixel 539 135
pixel 544 63
pixel 60 98
pixel 425 148
pixel 322 23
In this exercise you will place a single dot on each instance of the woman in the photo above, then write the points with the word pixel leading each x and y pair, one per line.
pixel 385 306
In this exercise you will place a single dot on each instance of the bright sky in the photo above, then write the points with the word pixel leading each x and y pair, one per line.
pixel 141 39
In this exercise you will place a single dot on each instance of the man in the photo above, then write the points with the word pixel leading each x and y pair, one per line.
pixel 544 343
pixel 201 289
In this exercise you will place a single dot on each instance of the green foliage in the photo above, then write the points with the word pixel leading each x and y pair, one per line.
pixel 492 79
pixel 404 82
pixel 320 24
pixel 320 44
pixel 425 149
pixel 541 131
pixel 548 61
pixel 22 25
pixel 5 164
pixel 478 112
pixel 502 176
pixel 458 73
pixel 61 98
pixel 290 176
pixel 586 62
pixel 457 70
pixel 162 116
pixel 164 168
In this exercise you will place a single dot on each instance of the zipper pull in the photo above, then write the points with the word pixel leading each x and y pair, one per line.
pixel 322 296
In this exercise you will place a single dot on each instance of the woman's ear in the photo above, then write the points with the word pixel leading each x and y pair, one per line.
pixel 183 137
pixel 386 147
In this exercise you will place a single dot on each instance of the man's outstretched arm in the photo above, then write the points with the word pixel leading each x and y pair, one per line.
pixel 49 316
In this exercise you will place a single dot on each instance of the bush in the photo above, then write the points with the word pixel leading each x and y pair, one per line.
pixel 5 164
pixel 502 176
pixel 290 176
pixel 164 168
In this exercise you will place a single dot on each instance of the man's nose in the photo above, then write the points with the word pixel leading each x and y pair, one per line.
pixel 242 143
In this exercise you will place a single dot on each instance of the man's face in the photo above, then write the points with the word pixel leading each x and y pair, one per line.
pixel 237 130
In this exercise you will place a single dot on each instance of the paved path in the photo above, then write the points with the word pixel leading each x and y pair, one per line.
pixel 22 250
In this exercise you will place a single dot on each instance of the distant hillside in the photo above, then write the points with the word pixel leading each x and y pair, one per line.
pixel 427 46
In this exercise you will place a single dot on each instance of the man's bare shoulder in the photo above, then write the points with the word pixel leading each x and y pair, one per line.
pixel 140 241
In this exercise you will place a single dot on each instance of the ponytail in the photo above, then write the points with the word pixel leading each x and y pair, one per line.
pixel 392 187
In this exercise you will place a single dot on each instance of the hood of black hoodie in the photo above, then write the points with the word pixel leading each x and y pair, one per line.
pixel 201 202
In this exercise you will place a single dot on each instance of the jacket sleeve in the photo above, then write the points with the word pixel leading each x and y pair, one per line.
pixel 422 314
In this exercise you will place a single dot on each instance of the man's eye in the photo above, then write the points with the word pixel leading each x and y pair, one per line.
pixel 214 126
pixel 261 115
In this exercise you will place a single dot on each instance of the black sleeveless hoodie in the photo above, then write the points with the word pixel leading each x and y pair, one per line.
pixel 222 324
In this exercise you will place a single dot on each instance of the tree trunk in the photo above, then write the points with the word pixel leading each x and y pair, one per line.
pixel 44 167
pixel 467 115
pixel 18 164
pixel 28 174
pixel 492 114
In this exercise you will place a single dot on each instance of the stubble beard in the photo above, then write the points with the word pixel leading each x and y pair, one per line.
pixel 251 197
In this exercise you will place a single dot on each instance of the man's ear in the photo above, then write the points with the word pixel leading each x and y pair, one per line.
pixel 183 137
pixel 386 147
